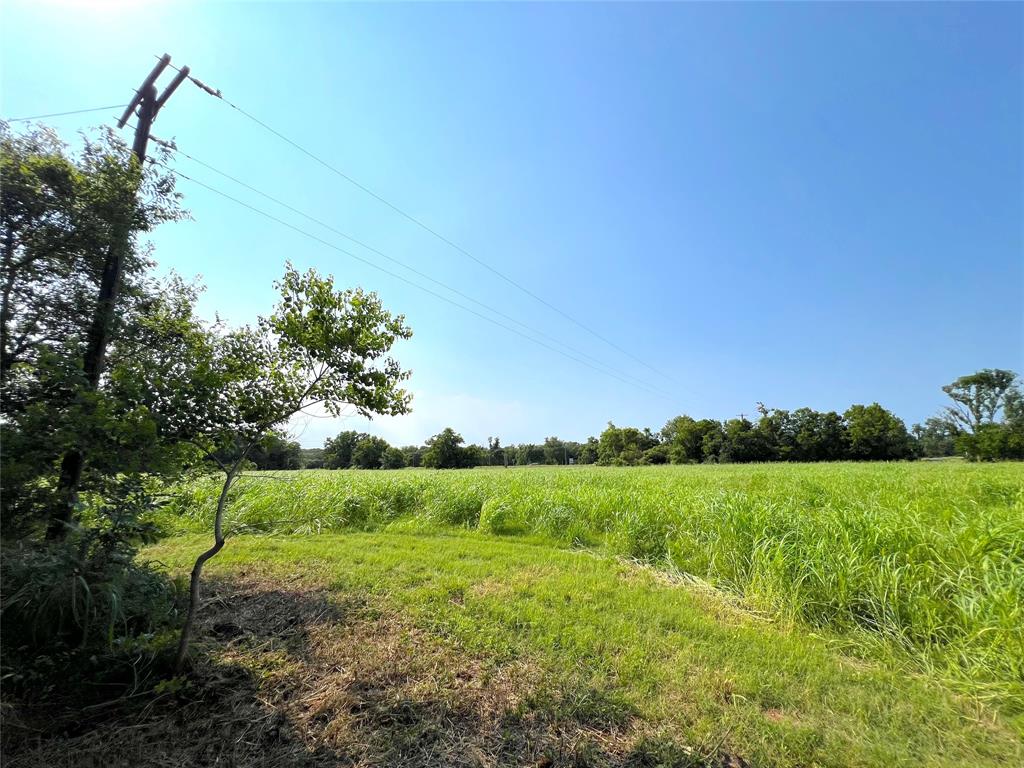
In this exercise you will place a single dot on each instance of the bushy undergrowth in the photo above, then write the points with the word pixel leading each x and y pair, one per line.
pixel 927 558
pixel 84 610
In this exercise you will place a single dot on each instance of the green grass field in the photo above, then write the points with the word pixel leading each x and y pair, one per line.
pixel 797 614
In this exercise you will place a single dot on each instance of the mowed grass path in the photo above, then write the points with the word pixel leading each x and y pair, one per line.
pixel 921 565
pixel 625 645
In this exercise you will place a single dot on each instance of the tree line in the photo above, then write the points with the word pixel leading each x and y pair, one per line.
pixel 446 450
pixel 984 422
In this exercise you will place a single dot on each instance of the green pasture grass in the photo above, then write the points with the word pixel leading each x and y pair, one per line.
pixel 628 644
pixel 920 565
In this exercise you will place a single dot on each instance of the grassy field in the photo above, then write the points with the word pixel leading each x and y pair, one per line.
pixel 506 652
pixel 832 615
pixel 919 563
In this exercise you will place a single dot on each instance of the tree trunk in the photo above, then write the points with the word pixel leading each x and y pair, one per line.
pixel 10 266
pixel 197 569
pixel 70 478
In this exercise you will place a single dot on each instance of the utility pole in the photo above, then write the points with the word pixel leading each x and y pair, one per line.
pixel 148 105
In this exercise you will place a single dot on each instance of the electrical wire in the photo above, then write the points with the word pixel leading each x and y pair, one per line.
pixel 412 283
pixel 62 114
pixel 219 95
pixel 488 307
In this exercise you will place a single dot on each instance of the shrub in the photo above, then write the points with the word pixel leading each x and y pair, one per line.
pixel 83 608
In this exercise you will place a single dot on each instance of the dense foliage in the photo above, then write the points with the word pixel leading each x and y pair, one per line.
pixel 79 606
pixel 175 394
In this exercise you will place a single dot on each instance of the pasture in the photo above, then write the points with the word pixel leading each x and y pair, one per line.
pixel 920 566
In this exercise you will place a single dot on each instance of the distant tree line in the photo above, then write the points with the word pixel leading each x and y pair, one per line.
pixel 446 450
pixel 985 422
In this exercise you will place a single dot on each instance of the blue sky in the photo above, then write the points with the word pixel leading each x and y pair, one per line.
pixel 802 204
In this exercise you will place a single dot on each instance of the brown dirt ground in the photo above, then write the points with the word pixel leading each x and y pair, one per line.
pixel 285 676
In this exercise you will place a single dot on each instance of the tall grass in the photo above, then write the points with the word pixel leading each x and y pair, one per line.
pixel 926 559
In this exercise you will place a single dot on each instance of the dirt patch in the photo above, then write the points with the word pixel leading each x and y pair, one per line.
pixel 289 676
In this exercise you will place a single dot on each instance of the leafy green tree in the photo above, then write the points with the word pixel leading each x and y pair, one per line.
pixel 935 438
pixel 58 212
pixel 496 454
pixel 588 451
pixel 713 444
pixel 984 423
pixel 320 346
pixel 56 228
pixel 610 445
pixel 276 452
pixel 338 450
pixel 777 432
pixel 818 436
pixel 393 458
pixel 475 456
pixel 444 450
pixel 658 454
pixel 1013 408
pixel 555 451
pixel 978 398
pixel 742 442
pixel 685 438
pixel 369 452
pixel 875 434
pixel 994 441
pixel 991 442
pixel 1013 422
pixel 528 453
pixel 413 455
pixel 623 446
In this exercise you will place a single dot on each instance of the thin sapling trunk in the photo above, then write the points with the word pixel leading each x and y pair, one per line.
pixel 197 569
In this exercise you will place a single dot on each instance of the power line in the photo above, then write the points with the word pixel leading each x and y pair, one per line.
pixel 217 93
pixel 414 284
pixel 62 114
pixel 488 307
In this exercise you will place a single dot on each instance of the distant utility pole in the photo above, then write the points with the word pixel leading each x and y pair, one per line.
pixel 148 105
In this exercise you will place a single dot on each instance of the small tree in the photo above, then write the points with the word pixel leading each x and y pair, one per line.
pixel 225 391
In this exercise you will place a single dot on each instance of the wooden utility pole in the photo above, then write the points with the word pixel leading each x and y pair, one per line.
pixel 148 105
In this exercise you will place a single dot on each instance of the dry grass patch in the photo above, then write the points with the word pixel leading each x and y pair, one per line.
pixel 287 676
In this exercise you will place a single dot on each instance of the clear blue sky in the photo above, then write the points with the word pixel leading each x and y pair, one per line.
pixel 805 204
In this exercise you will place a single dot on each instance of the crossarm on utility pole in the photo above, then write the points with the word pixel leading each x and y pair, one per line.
pixel 143 89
